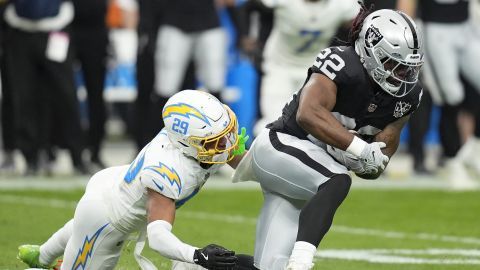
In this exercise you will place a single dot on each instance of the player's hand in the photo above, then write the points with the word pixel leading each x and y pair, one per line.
pixel 373 159
pixel 215 257
pixel 242 140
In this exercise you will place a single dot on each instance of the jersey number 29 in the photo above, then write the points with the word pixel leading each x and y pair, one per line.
pixel 328 62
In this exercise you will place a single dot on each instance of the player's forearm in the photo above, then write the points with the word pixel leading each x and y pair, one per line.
pixel 236 160
pixel 321 124
pixel 162 240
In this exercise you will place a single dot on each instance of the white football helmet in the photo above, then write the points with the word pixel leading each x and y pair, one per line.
pixel 201 126
pixel 390 47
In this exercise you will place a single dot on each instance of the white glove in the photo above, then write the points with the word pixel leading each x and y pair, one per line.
pixel 352 162
pixel 373 158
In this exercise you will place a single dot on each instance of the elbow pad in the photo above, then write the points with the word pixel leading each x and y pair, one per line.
pixel 161 239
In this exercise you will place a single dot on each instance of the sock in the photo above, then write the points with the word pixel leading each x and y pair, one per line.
pixel 303 252
pixel 56 244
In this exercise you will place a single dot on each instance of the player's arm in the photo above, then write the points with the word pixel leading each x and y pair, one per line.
pixel 391 136
pixel 314 115
pixel 161 215
pixel 236 160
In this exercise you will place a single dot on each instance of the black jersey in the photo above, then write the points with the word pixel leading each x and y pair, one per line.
pixel 444 11
pixel 361 104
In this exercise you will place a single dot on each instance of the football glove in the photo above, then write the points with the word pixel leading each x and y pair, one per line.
pixel 242 140
pixel 215 257
pixel 372 157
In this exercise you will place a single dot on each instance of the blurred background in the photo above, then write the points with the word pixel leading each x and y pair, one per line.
pixel 83 82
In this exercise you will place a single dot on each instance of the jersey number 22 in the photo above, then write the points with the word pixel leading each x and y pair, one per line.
pixel 328 63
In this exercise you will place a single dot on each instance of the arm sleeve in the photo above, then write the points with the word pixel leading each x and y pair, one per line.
pixel 162 240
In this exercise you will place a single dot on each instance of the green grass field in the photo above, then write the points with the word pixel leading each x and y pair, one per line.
pixel 373 229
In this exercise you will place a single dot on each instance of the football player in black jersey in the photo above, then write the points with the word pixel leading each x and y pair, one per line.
pixel 347 116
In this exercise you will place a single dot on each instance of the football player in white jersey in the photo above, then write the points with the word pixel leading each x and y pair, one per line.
pixel 200 136
pixel 300 29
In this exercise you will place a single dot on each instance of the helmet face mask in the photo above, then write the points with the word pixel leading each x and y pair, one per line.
pixel 390 48
pixel 201 126
pixel 217 149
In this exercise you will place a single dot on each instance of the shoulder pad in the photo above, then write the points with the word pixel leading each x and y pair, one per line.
pixel 162 179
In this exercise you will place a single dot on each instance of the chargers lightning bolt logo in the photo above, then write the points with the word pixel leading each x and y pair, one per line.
pixel 86 250
pixel 185 110
pixel 167 173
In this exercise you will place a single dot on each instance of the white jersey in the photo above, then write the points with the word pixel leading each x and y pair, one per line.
pixel 159 166
pixel 302 28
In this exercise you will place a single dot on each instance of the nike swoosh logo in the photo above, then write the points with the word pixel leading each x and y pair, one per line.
pixel 206 257
pixel 158 185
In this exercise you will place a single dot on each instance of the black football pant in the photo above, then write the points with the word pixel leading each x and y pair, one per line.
pixel 43 97
pixel 91 52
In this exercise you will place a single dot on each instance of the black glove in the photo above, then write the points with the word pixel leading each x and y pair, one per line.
pixel 215 257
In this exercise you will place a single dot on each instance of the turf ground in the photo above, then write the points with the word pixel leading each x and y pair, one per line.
pixel 373 229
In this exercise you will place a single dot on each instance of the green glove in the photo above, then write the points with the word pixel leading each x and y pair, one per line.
pixel 242 140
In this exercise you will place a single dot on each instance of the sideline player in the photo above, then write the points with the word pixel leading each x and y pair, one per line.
pixel 300 28
pixel 200 135
pixel 369 87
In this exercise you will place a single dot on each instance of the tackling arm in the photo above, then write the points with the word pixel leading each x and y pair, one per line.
pixel 161 215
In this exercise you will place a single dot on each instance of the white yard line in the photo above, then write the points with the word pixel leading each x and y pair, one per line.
pixel 393 256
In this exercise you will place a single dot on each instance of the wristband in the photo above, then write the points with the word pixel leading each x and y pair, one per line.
pixel 356 146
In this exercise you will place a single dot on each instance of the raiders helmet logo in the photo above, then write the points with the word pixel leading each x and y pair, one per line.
pixel 372 107
pixel 401 108
pixel 372 36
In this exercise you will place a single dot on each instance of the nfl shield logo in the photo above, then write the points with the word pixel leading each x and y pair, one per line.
pixel 372 107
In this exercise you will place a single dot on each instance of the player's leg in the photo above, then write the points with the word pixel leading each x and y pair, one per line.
pixel 95 243
pixel 316 218
pixel 45 255
pixel 276 231
pixel 174 49
pixel 297 169
pixel 441 50
pixel 210 59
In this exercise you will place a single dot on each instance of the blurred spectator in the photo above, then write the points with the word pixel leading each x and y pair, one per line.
pixel 451 50
pixel 40 77
pixel 190 29
pixel 150 17
pixel 7 164
pixel 90 41
pixel 301 29
pixel 254 22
